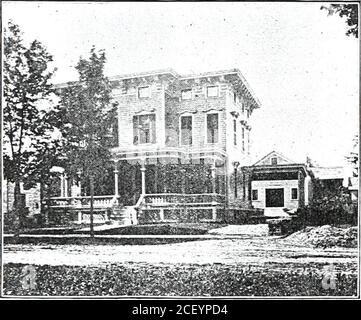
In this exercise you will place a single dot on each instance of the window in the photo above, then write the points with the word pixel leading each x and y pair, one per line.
pixel 186 130
pixel 212 91
pixel 273 161
pixel 242 108
pixel 294 193
pixel 144 129
pixel 212 128
pixel 234 97
pixel 242 139
pixel 235 132
pixel 144 92
pixel 254 194
pixel 186 94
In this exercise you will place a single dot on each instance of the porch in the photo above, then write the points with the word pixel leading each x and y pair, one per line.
pixel 151 186
pixel 169 185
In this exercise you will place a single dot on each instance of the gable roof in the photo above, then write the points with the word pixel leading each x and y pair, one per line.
pixel 274 154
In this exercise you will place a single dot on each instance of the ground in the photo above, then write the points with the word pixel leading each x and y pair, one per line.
pixel 247 262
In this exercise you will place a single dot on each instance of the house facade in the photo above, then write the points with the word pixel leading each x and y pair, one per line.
pixel 182 140
pixel 184 134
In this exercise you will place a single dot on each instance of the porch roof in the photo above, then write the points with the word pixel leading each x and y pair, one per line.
pixel 168 152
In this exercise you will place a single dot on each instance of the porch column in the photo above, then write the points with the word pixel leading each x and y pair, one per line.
pixel 80 217
pixel 142 170
pixel 65 185
pixel 213 175
pixel 214 214
pixel 235 167
pixel 301 189
pixel 116 179
pixel 156 177
pixel 79 182
pixel 62 185
pixel 161 214
pixel 248 185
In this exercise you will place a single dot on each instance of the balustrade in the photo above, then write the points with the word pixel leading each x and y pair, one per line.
pixel 174 199
pixel 80 202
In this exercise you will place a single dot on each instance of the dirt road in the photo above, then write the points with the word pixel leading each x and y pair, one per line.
pixel 258 251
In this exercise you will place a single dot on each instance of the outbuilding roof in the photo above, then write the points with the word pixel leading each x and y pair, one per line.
pixel 328 173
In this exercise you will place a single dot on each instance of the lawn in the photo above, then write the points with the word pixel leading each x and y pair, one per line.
pixel 143 229
pixel 175 280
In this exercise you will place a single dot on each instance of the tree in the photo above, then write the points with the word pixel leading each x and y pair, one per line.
pixel 26 126
pixel 87 120
pixel 350 11
pixel 353 156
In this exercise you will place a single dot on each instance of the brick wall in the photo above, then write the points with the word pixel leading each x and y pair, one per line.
pixel 198 106
pixel 130 104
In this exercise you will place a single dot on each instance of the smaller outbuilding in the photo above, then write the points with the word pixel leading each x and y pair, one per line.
pixel 280 186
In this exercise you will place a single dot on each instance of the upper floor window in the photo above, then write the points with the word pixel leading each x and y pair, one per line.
pixel 144 92
pixel 212 128
pixel 144 129
pixel 212 91
pixel 186 94
pixel 235 132
pixel 234 97
pixel 294 194
pixel 273 161
pixel 186 130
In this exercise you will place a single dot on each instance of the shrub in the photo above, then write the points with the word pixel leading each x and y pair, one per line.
pixel 334 209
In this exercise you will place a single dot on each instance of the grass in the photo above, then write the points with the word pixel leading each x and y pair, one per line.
pixel 98 240
pixel 159 229
pixel 163 229
pixel 174 280
pixel 141 229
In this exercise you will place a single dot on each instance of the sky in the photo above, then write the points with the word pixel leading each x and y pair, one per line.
pixel 297 59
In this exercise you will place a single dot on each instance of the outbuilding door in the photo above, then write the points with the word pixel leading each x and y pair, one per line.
pixel 275 197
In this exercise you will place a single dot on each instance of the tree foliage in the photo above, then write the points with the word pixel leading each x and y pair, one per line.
pixel 29 144
pixel 331 205
pixel 87 117
pixel 353 156
pixel 350 12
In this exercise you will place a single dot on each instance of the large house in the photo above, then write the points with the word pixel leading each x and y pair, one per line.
pixel 183 154
pixel 182 141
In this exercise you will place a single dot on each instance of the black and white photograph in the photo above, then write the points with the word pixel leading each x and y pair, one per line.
pixel 180 150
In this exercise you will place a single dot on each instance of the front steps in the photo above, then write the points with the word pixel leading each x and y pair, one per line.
pixel 275 213
pixel 126 215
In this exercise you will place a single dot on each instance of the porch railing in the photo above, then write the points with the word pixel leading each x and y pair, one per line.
pixel 83 202
pixel 181 200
